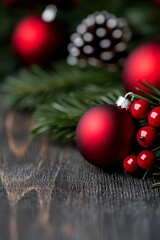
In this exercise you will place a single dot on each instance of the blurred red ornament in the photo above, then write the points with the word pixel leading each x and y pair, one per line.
pixel 35 40
pixel 158 2
pixel 142 64
pixel 104 135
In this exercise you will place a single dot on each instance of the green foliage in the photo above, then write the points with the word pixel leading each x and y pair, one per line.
pixel 30 88
pixel 59 119
pixel 153 96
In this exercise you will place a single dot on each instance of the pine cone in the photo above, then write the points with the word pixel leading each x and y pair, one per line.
pixel 101 40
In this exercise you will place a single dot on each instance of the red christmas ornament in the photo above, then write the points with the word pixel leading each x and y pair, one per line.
pixel 147 136
pixel 130 163
pixel 104 135
pixel 35 40
pixel 146 159
pixel 140 109
pixel 142 64
pixel 154 117
pixel 158 2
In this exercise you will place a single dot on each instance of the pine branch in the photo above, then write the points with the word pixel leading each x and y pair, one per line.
pixel 59 120
pixel 37 86
pixel 153 96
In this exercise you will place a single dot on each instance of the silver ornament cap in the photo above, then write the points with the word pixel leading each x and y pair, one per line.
pixel 125 102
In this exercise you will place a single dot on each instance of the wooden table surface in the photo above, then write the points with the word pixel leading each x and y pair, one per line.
pixel 47 191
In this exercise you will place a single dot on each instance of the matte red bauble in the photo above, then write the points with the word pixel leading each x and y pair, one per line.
pixel 104 135
pixel 142 64
pixel 34 40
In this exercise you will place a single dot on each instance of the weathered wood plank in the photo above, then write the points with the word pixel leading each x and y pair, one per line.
pixel 47 191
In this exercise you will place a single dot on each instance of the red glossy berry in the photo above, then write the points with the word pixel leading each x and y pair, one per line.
pixel 140 109
pixel 147 136
pixel 130 163
pixel 146 159
pixel 154 117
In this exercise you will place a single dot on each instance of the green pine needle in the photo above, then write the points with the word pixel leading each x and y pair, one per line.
pixel 152 96
pixel 59 119
pixel 30 88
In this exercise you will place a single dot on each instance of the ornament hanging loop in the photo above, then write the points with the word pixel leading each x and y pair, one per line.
pixel 130 94
pixel 125 102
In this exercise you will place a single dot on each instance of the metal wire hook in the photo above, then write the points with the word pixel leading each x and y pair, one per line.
pixel 130 94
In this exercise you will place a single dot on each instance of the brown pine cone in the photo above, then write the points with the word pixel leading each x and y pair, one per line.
pixel 101 40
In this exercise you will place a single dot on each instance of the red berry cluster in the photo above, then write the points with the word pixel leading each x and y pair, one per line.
pixel 146 136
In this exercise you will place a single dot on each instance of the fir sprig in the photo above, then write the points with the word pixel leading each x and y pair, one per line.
pixel 59 119
pixel 30 88
pixel 152 95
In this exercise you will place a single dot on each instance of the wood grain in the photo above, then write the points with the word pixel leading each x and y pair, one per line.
pixel 48 191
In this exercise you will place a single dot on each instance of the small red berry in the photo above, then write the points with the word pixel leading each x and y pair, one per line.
pixel 130 163
pixel 147 136
pixel 140 109
pixel 154 117
pixel 146 159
